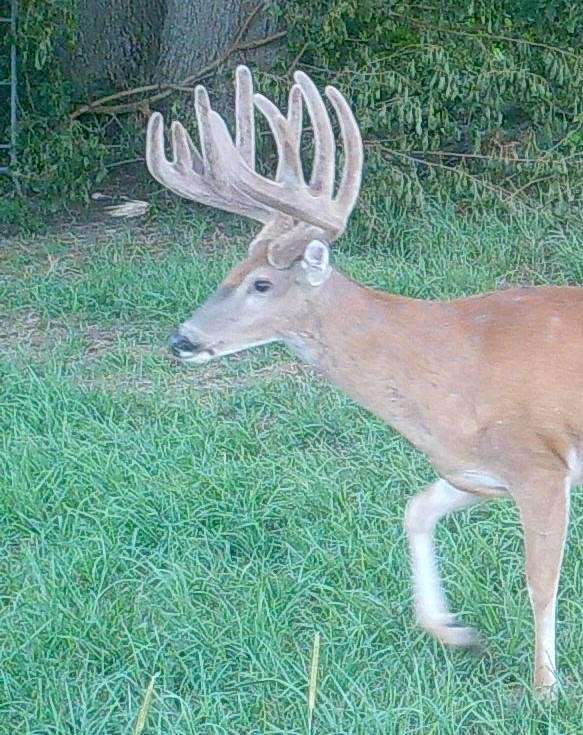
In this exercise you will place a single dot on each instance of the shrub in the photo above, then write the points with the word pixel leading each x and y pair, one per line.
pixel 481 100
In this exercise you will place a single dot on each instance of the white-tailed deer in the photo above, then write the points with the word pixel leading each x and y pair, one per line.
pixel 489 387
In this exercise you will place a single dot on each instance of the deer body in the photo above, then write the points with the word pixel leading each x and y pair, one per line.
pixel 476 417
pixel 452 378
pixel 490 387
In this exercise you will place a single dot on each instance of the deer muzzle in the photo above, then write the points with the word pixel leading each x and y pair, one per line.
pixel 183 348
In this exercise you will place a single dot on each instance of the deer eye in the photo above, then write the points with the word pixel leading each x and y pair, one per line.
pixel 262 285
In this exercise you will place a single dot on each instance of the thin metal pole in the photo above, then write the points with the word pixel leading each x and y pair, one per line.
pixel 10 145
pixel 13 85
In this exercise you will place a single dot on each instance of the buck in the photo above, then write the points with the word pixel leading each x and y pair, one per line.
pixel 489 387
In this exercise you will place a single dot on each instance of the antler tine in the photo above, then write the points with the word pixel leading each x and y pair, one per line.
pixel 212 153
pixel 156 160
pixel 295 114
pixel 322 179
pixel 244 117
pixel 206 178
pixel 173 174
pixel 287 133
pixel 349 187
pixel 184 151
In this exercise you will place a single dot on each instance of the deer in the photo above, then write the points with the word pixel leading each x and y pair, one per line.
pixel 489 387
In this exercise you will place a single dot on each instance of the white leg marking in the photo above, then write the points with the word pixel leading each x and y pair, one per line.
pixel 423 513
pixel 547 635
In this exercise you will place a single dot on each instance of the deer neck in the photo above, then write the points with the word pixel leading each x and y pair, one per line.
pixel 385 351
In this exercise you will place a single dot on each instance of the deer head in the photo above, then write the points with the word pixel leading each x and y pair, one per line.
pixel 270 295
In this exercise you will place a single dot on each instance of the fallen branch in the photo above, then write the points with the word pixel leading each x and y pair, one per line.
pixel 162 90
pixel 484 157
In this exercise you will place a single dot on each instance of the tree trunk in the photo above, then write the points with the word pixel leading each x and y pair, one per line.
pixel 195 32
pixel 118 44
pixel 124 43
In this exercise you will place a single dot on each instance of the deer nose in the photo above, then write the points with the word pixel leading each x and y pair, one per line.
pixel 179 344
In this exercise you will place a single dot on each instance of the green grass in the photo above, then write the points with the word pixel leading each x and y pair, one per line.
pixel 199 526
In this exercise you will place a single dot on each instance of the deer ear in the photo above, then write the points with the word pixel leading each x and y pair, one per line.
pixel 316 262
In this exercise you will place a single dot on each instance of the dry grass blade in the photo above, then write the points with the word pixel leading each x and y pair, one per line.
pixel 145 708
pixel 313 680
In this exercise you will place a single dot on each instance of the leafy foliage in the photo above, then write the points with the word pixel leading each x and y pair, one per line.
pixel 482 99
pixel 57 157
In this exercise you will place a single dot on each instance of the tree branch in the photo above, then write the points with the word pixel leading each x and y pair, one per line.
pixel 503 194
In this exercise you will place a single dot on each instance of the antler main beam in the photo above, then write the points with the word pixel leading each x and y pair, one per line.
pixel 223 173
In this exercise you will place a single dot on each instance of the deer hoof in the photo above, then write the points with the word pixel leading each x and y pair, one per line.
pixel 452 632
pixel 545 685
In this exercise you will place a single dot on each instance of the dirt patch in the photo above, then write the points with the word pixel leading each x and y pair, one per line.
pixel 77 240
pixel 204 379
pixel 77 234
pixel 29 332
pixel 27 335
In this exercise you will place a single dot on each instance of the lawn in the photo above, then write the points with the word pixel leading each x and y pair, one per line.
pixel 194 528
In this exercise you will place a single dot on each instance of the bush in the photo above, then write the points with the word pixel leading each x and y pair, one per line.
pixel 481 100
pixel 57 157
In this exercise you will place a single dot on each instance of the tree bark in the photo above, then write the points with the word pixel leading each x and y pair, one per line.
pixel 118 44
pixel 126 43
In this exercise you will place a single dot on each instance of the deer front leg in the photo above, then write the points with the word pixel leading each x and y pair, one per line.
pixel 431 610
pixel 545 517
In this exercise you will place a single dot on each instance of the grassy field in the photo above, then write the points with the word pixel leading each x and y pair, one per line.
pixel 197 527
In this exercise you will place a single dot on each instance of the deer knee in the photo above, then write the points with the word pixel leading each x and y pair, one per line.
pixel 417 520
pixel 437 500
pixel 542 592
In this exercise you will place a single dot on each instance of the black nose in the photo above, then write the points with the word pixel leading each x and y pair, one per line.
pixel 180 344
